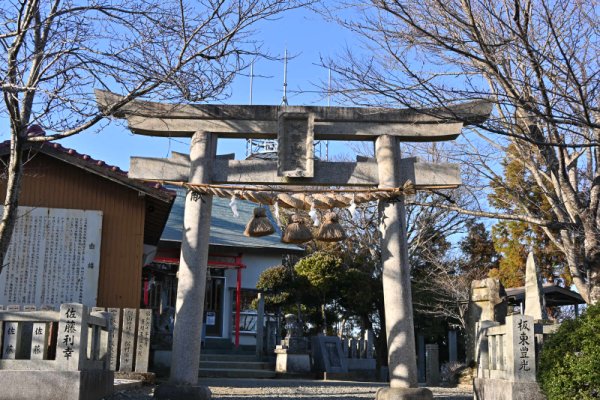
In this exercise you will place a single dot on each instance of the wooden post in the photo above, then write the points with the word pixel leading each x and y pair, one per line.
pixel 238 300
pixel 260 318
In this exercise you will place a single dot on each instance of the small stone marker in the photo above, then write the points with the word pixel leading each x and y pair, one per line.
pixel 432 363
pixel 114 337
pixel 96 338
pixel 353 348
pixel 452 346
pixel 39 341
pixel 13 307
pixel 370 345
pixel 29 307
pixel 127 340
pixel 361 348
pixel 12 340
pixel 143 341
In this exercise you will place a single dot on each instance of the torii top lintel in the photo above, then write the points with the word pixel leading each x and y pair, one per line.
pixel 330 123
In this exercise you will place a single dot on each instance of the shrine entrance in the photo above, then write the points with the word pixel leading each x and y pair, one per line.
pixel 290 181
pixel 213 303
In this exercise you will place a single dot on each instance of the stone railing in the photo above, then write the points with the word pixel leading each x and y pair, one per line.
pixel 130 339
pixel 362 348
pixel 507 357
pixel 49 355
pixel 360 355
pixel 72 339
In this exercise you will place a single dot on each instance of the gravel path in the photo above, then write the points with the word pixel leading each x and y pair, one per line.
pixel 250 389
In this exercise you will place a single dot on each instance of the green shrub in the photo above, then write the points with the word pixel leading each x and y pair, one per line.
pixel 570 360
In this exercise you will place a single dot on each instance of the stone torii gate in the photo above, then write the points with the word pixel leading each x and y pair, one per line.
pixel 295 127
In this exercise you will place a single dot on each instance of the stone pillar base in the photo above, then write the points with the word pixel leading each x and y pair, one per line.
pixel 292 363
pixel 389 393
pixel 52 385
pixel 171 391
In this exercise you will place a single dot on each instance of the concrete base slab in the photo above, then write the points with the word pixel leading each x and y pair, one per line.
pixel 55 385
pixel 127 384
pixel 144 377
pixel 500 389
pixel 170 391
pixel 358 376
pixel 389 393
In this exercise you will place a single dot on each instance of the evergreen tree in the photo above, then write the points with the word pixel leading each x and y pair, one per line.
pixel 513 240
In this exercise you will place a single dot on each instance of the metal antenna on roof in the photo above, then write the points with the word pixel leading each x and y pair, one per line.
pixel 284 101
pixel 329 88
pixel 328 105
pixel 251 79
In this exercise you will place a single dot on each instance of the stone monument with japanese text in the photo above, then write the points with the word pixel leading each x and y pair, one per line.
pixel 53 258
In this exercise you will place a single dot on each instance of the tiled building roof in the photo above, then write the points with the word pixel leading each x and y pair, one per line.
pixel 225 229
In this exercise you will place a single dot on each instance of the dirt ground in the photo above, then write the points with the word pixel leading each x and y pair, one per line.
pixel 249 389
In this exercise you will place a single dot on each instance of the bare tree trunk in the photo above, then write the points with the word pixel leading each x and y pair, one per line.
pixel 13 189
pixel 324 319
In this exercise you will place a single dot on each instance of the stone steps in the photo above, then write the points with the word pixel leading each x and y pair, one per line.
pixel 227 357
pixel 235 366
pixel 236 373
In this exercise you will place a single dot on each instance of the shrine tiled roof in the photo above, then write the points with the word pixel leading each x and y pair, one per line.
pixel 159 198
pixel 225 229
pixel 95 166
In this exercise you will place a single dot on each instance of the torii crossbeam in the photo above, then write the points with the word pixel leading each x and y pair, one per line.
pixel 295 127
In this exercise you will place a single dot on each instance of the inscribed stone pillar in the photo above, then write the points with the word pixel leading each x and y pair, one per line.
pixel 39 341
pixel 72 337
pixel 127 340
pixel 396 280
pixel 115 333
pixel 520 343
pixel 143 340
pixel 12 339
pixel 191 285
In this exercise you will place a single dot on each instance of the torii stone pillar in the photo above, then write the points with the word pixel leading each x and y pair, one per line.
pixel 386 126
pixel 189 312
pixel 399 324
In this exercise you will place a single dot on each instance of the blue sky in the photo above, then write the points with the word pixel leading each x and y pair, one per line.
pixel 306 36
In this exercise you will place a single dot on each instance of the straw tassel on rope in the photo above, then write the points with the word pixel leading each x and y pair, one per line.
pixel 296 231
pixel 259 225
pixel 331 230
